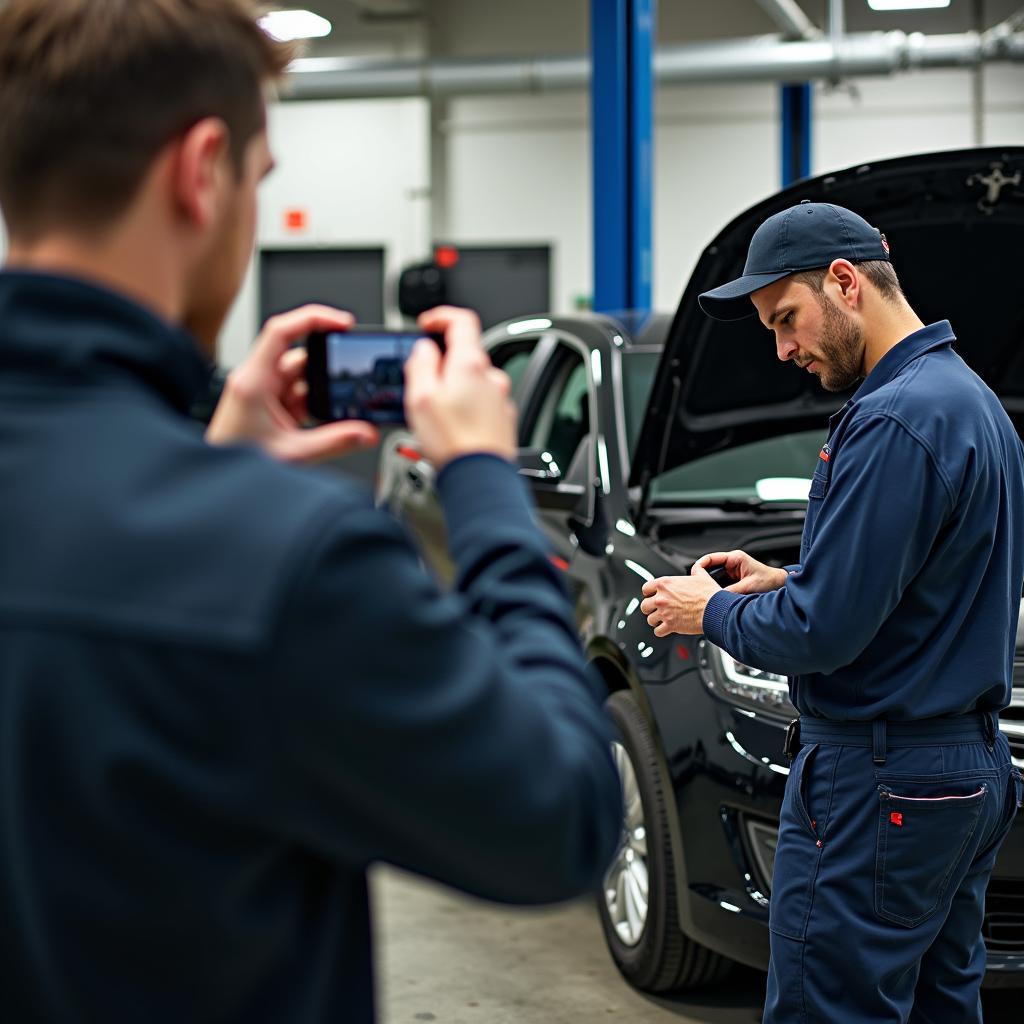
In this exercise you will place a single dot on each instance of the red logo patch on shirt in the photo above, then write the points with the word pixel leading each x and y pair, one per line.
pixel 825 454
pixel 896 817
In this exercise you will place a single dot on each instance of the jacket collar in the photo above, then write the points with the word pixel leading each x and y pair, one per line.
pixel 60 326
pixel 913 346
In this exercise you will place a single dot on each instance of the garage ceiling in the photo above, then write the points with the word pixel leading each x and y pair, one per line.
pixel 480 28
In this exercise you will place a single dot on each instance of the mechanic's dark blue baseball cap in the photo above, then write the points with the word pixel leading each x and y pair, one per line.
pixel 804 237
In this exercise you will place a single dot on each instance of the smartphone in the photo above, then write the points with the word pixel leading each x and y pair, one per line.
pixel 359 374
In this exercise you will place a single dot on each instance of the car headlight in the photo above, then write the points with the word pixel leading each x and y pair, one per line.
pixel 746 686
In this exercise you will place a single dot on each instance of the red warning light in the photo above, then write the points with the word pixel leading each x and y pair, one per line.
pixel 446 256
pixel 296 220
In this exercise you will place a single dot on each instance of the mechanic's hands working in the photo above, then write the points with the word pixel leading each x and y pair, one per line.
pixel 752 576
pixel 458 403
pixel 675 604
pixel 264 400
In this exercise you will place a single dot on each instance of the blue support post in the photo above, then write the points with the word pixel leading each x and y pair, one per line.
pixel 622 113
pixel 796 132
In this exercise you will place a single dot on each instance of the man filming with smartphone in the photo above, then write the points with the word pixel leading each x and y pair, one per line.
pixel 226 684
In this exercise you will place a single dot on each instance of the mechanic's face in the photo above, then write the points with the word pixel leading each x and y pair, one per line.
pixel 812 331
pixel 219 275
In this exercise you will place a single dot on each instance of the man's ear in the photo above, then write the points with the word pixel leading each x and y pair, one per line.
pixel 200 163
pixel 843 274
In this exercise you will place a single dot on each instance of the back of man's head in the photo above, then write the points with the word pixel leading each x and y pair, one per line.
pixel 92 90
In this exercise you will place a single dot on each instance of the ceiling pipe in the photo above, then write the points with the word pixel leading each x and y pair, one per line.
pixel 790 17
pixel 836 23
pixel 762 59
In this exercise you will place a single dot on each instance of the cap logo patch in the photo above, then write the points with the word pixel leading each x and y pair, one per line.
pixel 825 454
pixel 885 243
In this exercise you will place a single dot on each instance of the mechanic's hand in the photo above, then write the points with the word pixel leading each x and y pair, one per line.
pixel 752 576
pixel 675 604
pixel 458 403
pixel 264 400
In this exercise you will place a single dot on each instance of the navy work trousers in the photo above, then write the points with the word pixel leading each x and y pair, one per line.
pixel 880 874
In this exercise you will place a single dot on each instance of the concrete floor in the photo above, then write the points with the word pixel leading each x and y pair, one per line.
pixel 446 958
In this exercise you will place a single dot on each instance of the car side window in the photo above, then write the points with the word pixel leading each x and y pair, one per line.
pixel 513 358
pixel 564 418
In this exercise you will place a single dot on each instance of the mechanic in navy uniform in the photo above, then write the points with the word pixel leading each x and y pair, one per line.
pixel 897 632
pixel 226 683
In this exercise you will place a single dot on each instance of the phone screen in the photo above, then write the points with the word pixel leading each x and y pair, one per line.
pixel 360 374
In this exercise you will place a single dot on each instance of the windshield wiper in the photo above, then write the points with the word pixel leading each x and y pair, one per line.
pixel 733 504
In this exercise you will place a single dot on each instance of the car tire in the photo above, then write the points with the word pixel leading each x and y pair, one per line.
pixel 655 955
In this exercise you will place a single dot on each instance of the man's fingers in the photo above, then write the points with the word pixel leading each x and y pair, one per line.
pixel 421 373
pixel 654 618
pixel 329 441
pixel 650 588
pixel 296 401
pixel 647 606
pixel 501 379
pixel 461 329
pixel 698 570
pixel 712 559
pixel 281 332
pixel 292 365
pixel 662 630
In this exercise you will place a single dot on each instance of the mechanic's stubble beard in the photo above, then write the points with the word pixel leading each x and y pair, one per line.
pixel 841 347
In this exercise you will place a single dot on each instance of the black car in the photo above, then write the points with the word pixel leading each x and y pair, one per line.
pixel 649 442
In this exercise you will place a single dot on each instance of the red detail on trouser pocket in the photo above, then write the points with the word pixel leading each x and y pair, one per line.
pixel 896 817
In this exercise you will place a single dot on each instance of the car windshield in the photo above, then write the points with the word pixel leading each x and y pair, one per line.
pixel 774 469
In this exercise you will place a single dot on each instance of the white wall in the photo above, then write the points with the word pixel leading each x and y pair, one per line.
pixel 876 118
pixel 360 171
pixel 517 168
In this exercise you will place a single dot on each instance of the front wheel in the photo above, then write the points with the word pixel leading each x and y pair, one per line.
pixel 638 899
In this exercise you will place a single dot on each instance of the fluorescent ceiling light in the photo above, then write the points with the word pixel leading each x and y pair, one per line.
pixel 905 5
pixel 287 26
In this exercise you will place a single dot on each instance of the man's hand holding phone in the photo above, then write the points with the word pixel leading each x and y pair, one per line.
pixel 265 399
pixel 746 575
pixel 457 403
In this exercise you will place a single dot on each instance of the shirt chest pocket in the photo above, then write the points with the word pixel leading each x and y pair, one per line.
pixel 820 480
pixel 819 488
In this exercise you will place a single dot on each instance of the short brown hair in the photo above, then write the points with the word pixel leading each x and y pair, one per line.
pixel 91 91
pixel 880 273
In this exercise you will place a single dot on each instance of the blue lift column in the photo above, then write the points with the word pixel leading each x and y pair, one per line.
pixel 622 36
pixel 796 132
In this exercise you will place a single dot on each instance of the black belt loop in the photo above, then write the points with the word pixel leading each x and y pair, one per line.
pixel 878 741
pixel 990 723
pixel 791 747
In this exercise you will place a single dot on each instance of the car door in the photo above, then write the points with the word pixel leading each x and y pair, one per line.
pixel 557 454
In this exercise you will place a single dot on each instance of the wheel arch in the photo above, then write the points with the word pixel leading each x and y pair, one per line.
pixel 617 674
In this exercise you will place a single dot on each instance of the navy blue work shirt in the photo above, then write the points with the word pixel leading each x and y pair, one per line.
pixel 227 686
pixel 905 603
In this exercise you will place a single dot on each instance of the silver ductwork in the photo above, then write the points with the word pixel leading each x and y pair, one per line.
pixel 790 17
pixel 761 59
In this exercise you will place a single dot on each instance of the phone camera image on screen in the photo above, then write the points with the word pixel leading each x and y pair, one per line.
pixel 360 374
pixel 366 376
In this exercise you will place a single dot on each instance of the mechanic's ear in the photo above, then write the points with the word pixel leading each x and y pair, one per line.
pixel 845 275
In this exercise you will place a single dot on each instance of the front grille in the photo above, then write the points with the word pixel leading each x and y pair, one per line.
pixel 1004 916
pixel 1011 720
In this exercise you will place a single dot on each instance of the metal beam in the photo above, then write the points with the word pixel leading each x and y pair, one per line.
pixel 622 90
pixel 790 17
pixel 796 132
pixel 762 59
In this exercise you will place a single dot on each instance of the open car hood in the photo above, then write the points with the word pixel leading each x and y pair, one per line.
pixel 955 224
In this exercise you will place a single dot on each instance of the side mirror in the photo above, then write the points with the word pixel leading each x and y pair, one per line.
pixel 574 491
pixel 536 464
